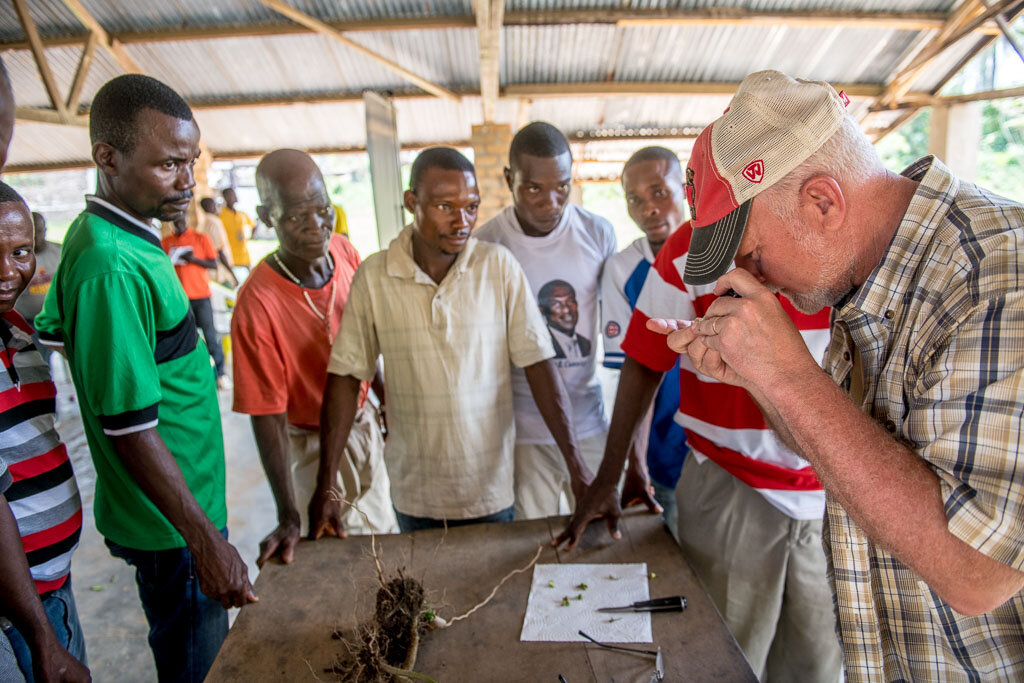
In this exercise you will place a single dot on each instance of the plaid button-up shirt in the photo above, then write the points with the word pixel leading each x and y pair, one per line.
pixel 932 347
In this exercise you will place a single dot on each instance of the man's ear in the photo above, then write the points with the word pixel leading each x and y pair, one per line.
pixel 409 199
pixel 264 214
pixel 508 178
pixel 106 158
pixel 822 201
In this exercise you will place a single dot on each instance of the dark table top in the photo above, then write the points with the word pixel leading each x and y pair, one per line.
pixel 332 585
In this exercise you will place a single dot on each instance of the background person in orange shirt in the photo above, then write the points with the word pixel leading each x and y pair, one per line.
pixel 192 254
pixel 287 315
pixel 235 222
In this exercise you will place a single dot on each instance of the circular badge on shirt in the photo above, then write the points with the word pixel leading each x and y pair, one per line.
pixel 612 329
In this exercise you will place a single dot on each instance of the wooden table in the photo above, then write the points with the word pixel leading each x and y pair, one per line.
pixel 332 584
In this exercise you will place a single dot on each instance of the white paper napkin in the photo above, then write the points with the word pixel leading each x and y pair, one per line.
pixel 549 618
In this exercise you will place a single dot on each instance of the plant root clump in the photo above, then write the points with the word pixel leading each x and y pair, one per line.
pixel 388 645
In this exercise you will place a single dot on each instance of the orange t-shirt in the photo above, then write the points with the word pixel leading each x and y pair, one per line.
pixel 194 278
pixel 280 346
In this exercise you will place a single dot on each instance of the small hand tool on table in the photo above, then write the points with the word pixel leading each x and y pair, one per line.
pixel 659 665
pixel 676 603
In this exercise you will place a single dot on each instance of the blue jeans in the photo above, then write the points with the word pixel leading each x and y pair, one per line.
pixel 63 615
pixel 407 523
pixel 186 628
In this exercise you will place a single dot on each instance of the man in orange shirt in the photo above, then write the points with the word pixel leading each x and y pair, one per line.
pixel 192 254
pixel 288 313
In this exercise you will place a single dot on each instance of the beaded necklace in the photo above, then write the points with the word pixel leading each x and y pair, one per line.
pixel 334 290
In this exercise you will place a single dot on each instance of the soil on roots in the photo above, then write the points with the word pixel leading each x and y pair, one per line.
pixel 392 638
pixel 399 606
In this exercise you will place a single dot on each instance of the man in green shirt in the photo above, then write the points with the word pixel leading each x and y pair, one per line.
pixel 147 394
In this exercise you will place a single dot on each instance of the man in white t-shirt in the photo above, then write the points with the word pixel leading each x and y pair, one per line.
pixel 562 248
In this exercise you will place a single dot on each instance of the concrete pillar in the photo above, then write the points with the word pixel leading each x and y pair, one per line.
pixel 955 136
pixel 201 172
pixel 490 156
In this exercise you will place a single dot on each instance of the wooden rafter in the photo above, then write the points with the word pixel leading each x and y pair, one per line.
pixel 111 46
pixel 325 29
pixel 904 21
pixel 963 21
pixel 28 24
pixel 40 115
pixel 490 14
pixel 84 63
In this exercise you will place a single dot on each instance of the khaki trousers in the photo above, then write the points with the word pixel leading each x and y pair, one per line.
pixel 765 572
pixel 542 480
pixel 362 477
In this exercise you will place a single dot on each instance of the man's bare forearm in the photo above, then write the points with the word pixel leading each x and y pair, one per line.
pixel 338 412
pixel 19 600
pixel 552 400
pixel 271 432
pixel 890 492
pixel 637 386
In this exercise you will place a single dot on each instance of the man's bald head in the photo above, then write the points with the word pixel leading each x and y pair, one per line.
pixel 294 201
pixel 284 168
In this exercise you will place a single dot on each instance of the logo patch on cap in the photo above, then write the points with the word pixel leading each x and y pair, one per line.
pixel 690 193
pixel 754 171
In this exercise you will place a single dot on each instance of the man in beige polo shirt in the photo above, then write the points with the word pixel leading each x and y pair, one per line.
pixel 448 314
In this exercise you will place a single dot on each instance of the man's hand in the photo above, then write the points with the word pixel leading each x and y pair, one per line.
pixel 54 664
pixel 281 541
pixel 748 341
pixel 325 515
pixel 598 501
pixel 581 480
pixel 222 573
pixel 637 489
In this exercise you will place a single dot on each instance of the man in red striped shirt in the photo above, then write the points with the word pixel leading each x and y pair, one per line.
pixel 750 510
pixel 39 501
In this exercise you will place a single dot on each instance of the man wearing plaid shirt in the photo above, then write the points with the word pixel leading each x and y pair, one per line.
pixel 914 427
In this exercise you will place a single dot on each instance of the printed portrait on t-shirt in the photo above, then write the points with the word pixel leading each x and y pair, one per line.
pixel 558 305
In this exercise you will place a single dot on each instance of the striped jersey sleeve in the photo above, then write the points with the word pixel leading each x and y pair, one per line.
pixel 43 494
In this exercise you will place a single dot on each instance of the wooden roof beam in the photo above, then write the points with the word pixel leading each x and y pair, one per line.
pixel 329 31
pixel 39 55
pixel 111 46
pixel 904 21
pixel 963 22
pixel 490 14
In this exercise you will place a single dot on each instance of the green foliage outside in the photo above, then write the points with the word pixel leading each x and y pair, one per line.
pixel 1000 153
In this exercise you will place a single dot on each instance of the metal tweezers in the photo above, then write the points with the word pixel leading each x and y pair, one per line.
pixel 659 665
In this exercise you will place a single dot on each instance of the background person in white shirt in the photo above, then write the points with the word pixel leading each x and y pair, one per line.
pixel 555 242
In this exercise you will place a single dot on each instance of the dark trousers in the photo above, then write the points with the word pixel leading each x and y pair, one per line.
pixel 407 523
pixel 186 628
pixel 202 309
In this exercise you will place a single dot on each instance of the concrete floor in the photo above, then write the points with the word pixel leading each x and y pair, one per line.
pixel 108 605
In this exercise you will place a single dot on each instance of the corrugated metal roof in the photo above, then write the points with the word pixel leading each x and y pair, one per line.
pixel 63 61
pixel 117 16
pixel 576 53
pixel 309 65
pixel 766 5
pixel 43 143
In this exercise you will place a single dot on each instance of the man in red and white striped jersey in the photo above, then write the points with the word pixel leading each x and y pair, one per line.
pixel 40 509
pixel 750 510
